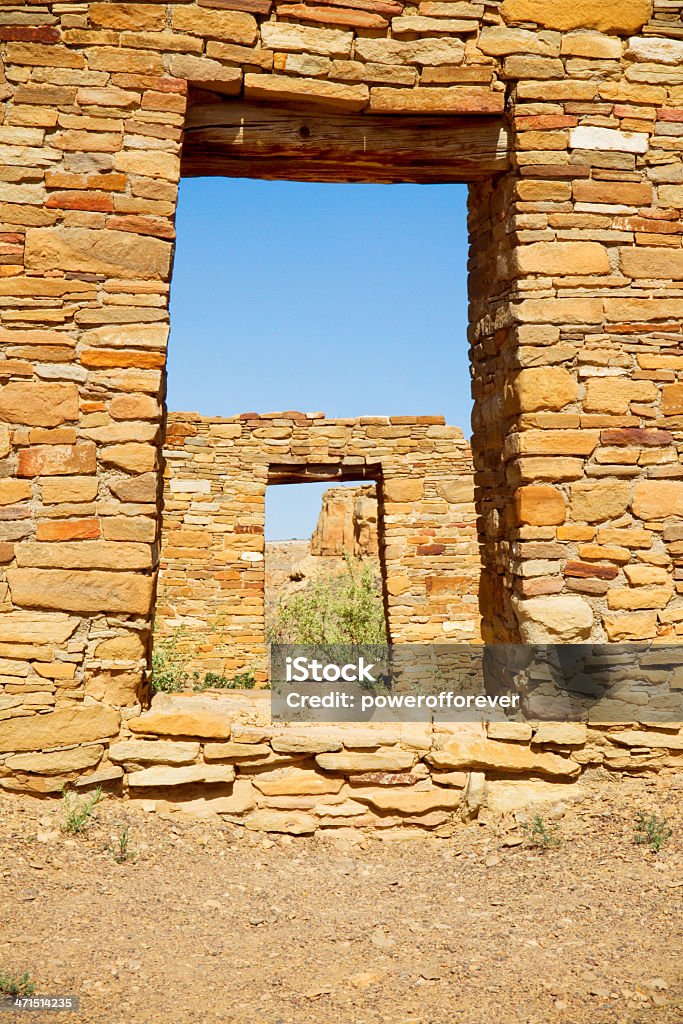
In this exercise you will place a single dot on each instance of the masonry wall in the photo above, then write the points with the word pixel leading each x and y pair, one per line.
pixel 212 577
pixel 576 303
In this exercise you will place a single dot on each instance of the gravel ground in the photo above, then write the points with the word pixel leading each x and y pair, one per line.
pixel 207 923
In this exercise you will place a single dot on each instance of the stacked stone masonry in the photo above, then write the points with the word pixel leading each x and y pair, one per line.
pixel 566 120
pixel 212 578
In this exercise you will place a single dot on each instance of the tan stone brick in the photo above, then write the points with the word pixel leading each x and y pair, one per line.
pixel 59 728
pixel 623 18
pixel 631 626
pixel 69 489
pixel 652 262
pixel 96 554
pixel 39 404
pixel 116 253
pixel 548 387
pixel 230 26
pixel 615 394
pixel 13 491
pixel 657 499
pixel 400 489
pixel 127 15
pixel 304 39
pixel 540 505
pixel 57 459
pixel 481 754
pixel 593 501
pixel 312 91
pixel 81 590
pixel 57 762
pixel 639 597
pixel 459 99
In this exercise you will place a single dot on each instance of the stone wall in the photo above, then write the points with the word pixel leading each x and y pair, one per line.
pixel 566 119
pixel 212 577
pixel 347 523
pixel 220 755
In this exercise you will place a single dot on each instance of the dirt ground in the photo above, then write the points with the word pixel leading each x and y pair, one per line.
pixel 209 923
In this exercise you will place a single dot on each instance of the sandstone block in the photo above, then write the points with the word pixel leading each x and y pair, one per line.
pixel 520 731
pixel 303 39
pixel 309 91
pixel 657 499
pixel 427 52
pixel 506 797
pixel 594 501
pixel 540 505
pixel 41 405
pixel 153 752
pixel 399 489
pixel 608 139
pixel 561 734
pixel 647 738
pixel 295 782
pixel 295 823
pixel 57 762
pixel 554 619
pixel 205 774
pixel 63 727
pixel 132 457
pixel 380 760
pixel 313 742
pixel 57 459
pixel 230 26
pixel 562 258
pixel 13 491
pixel 81 591
pixel 639 597
pixel 544 387
pixel 615 394
pixel 672 400
pixel 601 15
pixel 36 628
pixel 208 73
pixel 127 648
pixel 433 100
pixel 69 490
pixel 229 751
pixel 114 253
pixel 631 626
pixel 203 723
pixel 87 554
pixel 408 800
pixel 471 752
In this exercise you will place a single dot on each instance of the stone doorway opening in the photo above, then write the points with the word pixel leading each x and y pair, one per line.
pixel 325 576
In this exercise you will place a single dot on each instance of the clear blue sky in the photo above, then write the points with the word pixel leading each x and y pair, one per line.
pixel 345 299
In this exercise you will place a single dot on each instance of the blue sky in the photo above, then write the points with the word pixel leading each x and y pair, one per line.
pixel 345 299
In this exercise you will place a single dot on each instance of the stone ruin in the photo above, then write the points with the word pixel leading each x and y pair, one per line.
pixel 212 569
pixel 564 119
pixel 348 523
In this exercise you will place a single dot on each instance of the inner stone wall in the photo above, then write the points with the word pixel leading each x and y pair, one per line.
pixel 212 578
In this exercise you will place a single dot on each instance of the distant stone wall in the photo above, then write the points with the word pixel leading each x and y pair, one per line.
pixel 212 578
pixel 347 523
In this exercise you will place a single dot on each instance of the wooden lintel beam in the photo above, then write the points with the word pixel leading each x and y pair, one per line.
pixel 247 140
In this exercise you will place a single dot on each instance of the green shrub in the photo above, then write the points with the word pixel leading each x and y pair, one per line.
pixel 541 835
pixel 121 849
pixel 215 681
pixel 651 830
pixel 16 985
pixel 170 665
pixel 344 609
pixel 77 813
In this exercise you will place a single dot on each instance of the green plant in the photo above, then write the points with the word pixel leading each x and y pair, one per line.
pixel 215 681
pixel 170 665
pixel 77 813
pixel 651 830
pixel 343 609
pixel 16 985
pixel 541 835
pixel 121 849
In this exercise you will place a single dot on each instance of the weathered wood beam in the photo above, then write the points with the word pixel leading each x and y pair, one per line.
pixel 247 140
